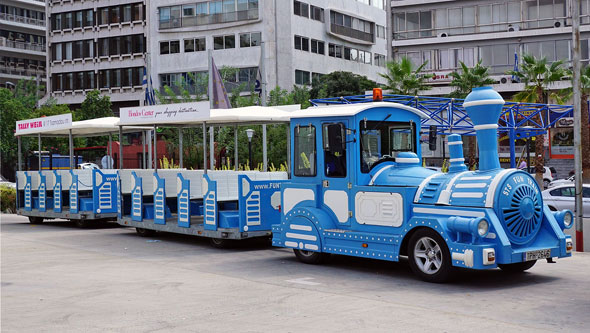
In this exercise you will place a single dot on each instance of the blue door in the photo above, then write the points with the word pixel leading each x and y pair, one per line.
pixel 335 172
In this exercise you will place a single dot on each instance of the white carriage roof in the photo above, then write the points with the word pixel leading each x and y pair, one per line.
pixel 243 115
pixel 90 127
pixel 351 110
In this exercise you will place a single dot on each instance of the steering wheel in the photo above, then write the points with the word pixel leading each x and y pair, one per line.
pixel 383 159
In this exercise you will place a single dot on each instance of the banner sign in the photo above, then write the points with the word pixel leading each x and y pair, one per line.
pixel 165 114
pixel 44 124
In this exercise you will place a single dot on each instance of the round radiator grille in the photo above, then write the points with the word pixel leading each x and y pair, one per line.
pixel 521 208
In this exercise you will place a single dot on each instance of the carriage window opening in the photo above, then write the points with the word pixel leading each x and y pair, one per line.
pixel 384 139
pixel 305 152
pixel 334 143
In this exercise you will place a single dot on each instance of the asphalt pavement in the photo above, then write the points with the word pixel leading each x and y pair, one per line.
pixel 58 278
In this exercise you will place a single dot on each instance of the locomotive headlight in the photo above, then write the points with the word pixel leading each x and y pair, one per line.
pixel 483 227
pixel 565 218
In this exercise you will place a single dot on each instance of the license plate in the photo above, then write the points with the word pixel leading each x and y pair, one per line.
pixel 537 254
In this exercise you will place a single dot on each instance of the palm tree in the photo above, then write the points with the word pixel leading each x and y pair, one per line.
pixel 468 78
pixel 464 81
pixel 402 79
pixel 538 75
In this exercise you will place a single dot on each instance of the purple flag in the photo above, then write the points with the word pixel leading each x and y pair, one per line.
pixel 218 93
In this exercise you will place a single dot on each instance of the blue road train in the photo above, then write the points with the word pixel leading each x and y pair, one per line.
pixel 356 187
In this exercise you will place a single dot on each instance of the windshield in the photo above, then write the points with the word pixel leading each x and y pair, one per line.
pixel 383 139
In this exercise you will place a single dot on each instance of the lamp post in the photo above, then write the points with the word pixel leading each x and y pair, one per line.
pixel 250 134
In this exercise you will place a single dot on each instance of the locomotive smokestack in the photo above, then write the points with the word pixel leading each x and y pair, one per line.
pixel 484 105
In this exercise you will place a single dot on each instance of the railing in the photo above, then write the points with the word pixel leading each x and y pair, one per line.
pixel 22 45
pixel 22 71
pixel 349 32
pixel 22 19
pixel 251 14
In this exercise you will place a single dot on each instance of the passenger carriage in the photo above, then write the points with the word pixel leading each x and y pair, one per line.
pixel 79 195
pixel 357 188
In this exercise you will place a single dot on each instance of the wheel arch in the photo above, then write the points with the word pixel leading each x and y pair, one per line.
pixel 403 249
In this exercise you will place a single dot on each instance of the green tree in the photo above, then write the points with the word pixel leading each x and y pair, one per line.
pixel 468 78
pixel 340 83
pixel 94 106
pixel 537 75
pixel 403 79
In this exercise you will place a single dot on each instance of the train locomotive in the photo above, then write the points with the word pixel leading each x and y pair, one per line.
pixel 357 188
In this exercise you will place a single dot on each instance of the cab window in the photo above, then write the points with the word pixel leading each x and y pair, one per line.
pixel 385 139
pixel 304 151
pixel 334 143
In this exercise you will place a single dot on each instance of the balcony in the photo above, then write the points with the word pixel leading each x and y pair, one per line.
pixel 21 45
pixel 352 33
pixel 22 19
pixel 21 71
pixel 191 21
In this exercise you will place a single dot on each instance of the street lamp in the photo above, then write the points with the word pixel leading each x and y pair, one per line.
pixel 250 134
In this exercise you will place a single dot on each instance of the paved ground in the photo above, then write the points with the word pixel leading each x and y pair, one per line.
pixel 58 278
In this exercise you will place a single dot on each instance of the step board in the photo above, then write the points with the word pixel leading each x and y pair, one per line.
pixel 361 244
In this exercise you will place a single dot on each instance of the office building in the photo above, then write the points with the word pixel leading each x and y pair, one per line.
pixel 22 41
pixel 301 40
pixel 99 45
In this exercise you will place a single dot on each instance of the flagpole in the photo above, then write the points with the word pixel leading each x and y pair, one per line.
pixel 211 135
pixel 263 87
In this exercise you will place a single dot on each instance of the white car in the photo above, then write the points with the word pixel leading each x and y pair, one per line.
pixel 563 197
pixel 5 182
pixel 567 181
pixel 88 165
pixel 548 175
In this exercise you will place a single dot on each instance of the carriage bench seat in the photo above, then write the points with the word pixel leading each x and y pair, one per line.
pixel 229 219
pixel 148 211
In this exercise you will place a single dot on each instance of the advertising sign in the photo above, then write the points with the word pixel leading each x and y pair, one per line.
pixel 165 114
pixel 44 124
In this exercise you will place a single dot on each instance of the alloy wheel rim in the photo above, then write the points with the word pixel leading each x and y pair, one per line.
pixel 428 255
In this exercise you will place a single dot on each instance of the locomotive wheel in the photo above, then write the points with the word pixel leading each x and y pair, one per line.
pixel 35 219
pixel 220 243
pixel 145 232
pixel 310 257
pixel 518 267
pixel 429 256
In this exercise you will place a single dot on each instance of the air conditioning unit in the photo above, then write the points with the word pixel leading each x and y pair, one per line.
pixel 443 34
pixel 513 28
pixel 505 79
pixel 558 24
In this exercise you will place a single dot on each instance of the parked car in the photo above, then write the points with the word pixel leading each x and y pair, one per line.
pixel 563 197
pixel 548 176
pixel 88 165
pixel 5 182
pixel 567 181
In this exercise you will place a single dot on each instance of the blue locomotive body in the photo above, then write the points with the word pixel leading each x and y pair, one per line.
pixel 357 188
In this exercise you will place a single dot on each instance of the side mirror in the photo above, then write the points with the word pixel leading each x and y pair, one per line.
pixel 334 137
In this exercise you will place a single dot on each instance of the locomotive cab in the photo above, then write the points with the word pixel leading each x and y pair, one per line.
pixel 358 188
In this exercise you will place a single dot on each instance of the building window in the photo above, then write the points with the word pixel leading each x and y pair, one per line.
pixel 317 47
pixel 301 9
pixel 302 77
pixel 301 43
pixel 194 44
pixel 349 26
pixel 224 42
pixel 380 31
pixel 207 12
pixel 250 39
pixel 170 47
pixel 379 60
pixel 316 13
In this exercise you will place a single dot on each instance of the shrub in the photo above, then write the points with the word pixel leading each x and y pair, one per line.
pixel 7 199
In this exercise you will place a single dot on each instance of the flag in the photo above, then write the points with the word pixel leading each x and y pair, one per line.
pixel 149 90
pixel 514 77
pixel 218 93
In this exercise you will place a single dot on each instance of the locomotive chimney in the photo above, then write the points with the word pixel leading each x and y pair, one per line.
pixel 484 105
pixel 456 151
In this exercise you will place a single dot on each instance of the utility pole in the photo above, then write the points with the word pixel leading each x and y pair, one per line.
pixel 577 124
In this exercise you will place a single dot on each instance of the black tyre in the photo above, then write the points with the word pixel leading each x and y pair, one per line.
pixel 35 219
pixel 310 257
pixel 220 243
pixel 82 224
pixel 145 232
pixel 429 256
pixel 518 267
